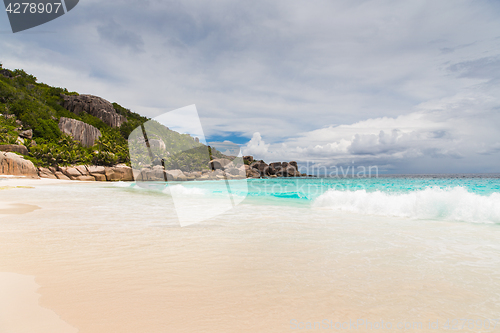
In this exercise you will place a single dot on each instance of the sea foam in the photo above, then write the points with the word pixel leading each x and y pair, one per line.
pixel 180 190
pixel 451 204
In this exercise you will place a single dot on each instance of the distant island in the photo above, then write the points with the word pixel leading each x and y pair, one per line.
pixel 50 132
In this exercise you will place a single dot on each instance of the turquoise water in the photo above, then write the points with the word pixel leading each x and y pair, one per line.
pixel 453 197
pixel 311 188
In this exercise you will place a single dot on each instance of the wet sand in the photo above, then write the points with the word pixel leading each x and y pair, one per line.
pixel 20 311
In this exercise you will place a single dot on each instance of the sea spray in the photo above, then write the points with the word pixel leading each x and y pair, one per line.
pixel 444 198
pixel 451 204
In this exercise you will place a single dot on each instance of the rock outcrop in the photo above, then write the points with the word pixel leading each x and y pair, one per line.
pixel 15 165
pixel 84 133
pixel 96 106
pixel 119 172
pixel 261 166
pixel 46 173
pixel 219 163
pixel 251 172
pixel 285 169
pixel 14 149
pixel 5 72
pixel 157 144
pixel 248 159
pixel 176 175
pixel 275 169
pixel 223 169
pixel 28 134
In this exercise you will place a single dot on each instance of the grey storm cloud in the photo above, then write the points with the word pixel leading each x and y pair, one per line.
pixel 396 83
pixel 483 68
pixel 119 36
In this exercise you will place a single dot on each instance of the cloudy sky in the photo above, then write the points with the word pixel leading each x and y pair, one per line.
pixel 410 86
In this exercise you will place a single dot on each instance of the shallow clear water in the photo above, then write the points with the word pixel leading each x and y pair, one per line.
pixel 113 258
pixel 456 198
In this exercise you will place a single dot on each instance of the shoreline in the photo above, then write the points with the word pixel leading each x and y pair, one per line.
pixel 108 260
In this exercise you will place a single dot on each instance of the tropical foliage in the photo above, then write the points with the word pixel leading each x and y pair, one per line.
pixel 39 107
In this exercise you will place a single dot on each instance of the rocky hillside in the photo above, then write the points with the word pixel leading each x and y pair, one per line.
pixel 66 135
pixel 62 128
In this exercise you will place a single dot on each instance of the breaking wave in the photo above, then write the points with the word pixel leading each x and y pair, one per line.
pixel 451 204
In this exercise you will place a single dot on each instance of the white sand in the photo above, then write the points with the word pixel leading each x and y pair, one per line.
pixel 11 183
pixel 110 259
pixel 20 311
pixel 6 180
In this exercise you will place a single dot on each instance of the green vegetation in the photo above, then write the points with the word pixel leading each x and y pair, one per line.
pixel 38 106
pixel 8 135
pixel 180 152
pixel 195 159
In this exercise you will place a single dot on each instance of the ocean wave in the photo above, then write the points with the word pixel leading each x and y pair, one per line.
pixel 179 190
pixel 451 204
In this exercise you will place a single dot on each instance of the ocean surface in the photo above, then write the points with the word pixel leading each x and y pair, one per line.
pixel 421 253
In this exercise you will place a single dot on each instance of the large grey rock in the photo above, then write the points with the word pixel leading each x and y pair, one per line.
pixel 15 165
pixel 86 178
pixel 119 173
pixel 46 173
pixel 96 169
pixel 242 170
pixel 14 149
pixel 99 177
pixel 261 166
pixel 195 174
pixel 279 169
pixel 72 173
pixel 61 175
pixel 82 169
pixel 219 164
pixel 175 175
pixel 232 171
pixel 96 106
pixel 283 169
pixel 157 144
pixel 5 72
pixel 251 172
pixel 275 165
pixel 125 173
pixel 28 134
pixel 156 174
pixel 84 133
pixel 289 171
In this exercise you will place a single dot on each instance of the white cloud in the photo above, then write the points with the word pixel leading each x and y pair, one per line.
pixel 382 81
pixel 256 147
pixel 443 133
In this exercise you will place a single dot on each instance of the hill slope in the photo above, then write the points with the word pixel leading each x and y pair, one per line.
pixel 32 113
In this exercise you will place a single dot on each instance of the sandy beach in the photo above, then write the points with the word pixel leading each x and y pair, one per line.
pixel 250 167
pixel 20 310
pixel 95 258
